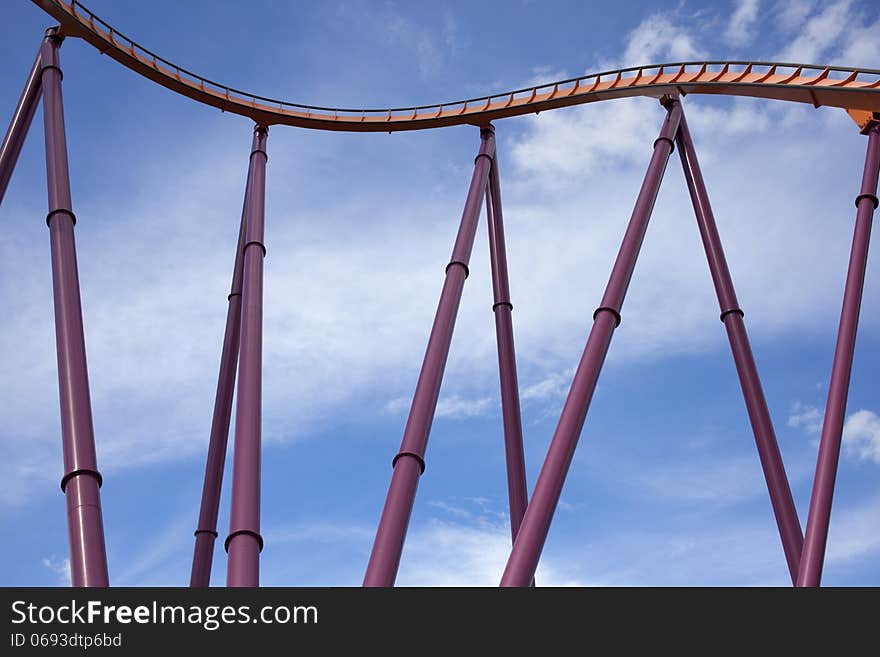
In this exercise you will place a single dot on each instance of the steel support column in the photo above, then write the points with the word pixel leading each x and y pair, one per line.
pixel 732 317
pixel 19 125
pixel 206 532
pixel 517 490
pixel 533 531
pixel 244 542
pixel 409 463
pixel 81 481
pixel 815 539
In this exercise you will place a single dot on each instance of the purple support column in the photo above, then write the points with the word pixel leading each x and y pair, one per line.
pixel 19 125
pixel 533 531
pixel 206 533
pixel 513 441
pixel 81 481
pixel 244 542
pixel 732 317
pixel 410 460
pixel 813 556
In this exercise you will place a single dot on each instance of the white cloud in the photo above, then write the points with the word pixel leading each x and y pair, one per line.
pixel 453 554
pixel 836 33
pixel 861 46
pixel 542 75
pixel 742 117
pixel 861 430
pixel 410 37
pixel 451 408
pixel 861 435
pixel 577 174
pixel 469 546
pixel 582 141
pixel 465 542
pixel 820 33
pixel 808 418
pixel 164 560
pixel 739 30
pixel 457 408
pixel 398 405
pixel 660 38
pixel 468 543
pixel 710 483
pixel 59 567
pixel 853 534
pixel 473 551
pixel 792 13
pixel 555 385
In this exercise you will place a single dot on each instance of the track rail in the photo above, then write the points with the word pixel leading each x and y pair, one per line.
pixel 848 88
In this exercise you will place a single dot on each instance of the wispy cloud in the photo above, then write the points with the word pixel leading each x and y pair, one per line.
pixel 162 561
pixel 456 408
pixel 861 430
pixel 820 33
pixel 808 418
pixel 662 36
pixel 465 541
pixel 793 13
pixel 861 435
pixel 452 554
pixel 740 28
pixel 450 408
pixel 430 40
pixel 59 567
pixel 555 385
pixel 853 534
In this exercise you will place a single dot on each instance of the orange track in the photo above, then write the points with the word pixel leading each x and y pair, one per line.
pixel 856 90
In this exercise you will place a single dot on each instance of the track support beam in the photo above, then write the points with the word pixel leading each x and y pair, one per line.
pixel 206 532
pixel 244 542
pixel 732 317
pixel 502 308
pixel 82 480
pixel 816 537
pixel 529 543
pixel 409 463
pixel 20 124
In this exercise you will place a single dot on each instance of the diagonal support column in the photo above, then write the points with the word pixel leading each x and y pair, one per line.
pixel 82 480
pixel 732 317
pixel 206 532
pixel 816 537
pixel 244 542
pixel 523 561
pixel 19 125
pixel 409 463
pixel 517 490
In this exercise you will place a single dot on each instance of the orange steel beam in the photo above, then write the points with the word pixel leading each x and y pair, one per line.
pixel 848 88
pixel 864 119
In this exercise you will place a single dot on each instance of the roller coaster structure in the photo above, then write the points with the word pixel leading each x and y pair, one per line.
pixel 855 90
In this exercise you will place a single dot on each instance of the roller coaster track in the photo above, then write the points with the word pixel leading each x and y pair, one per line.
pixel 853 89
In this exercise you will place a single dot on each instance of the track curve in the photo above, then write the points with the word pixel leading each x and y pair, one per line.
pixel 848 88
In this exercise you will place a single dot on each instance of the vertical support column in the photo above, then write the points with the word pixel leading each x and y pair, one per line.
pixel 732 317
pixel 409 463
pixel 206 532
pixel 517 490
pixel 244 542
pixel 82 480
pixel 813 556
pixel 523 561
pixel 19 125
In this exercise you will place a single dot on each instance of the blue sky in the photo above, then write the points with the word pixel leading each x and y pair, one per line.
pixel 665 488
